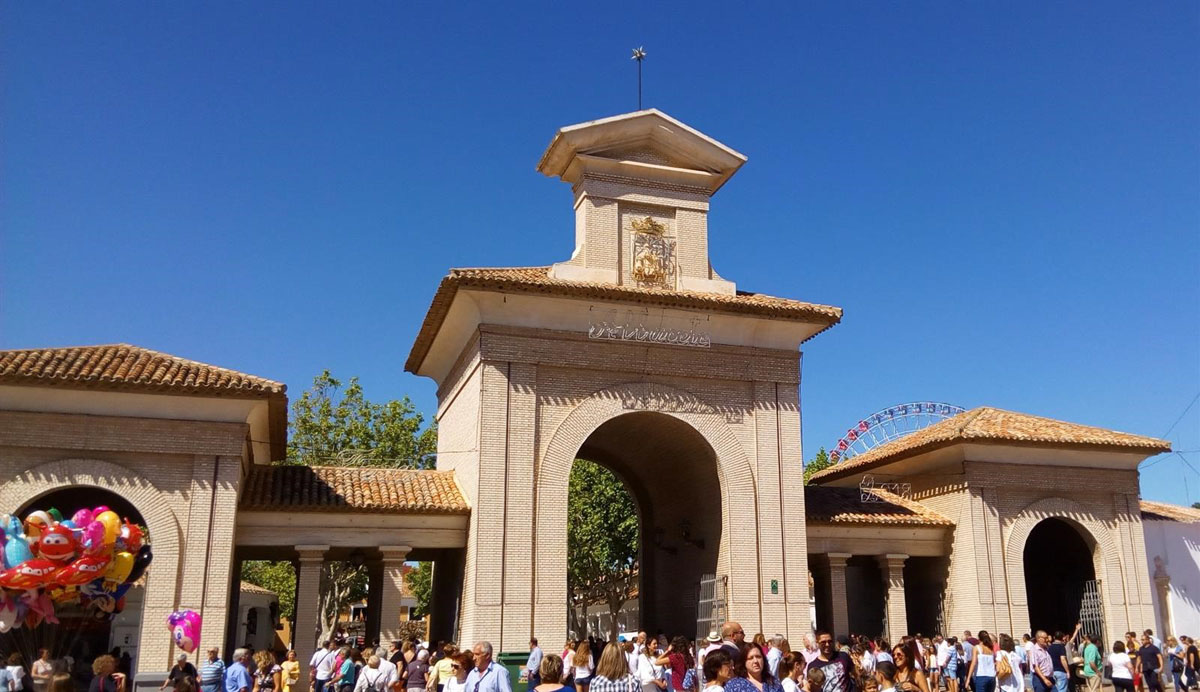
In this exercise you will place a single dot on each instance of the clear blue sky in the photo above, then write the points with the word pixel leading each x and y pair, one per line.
pixel 1005 199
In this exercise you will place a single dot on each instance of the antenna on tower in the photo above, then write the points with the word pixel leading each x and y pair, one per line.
pixel 639 54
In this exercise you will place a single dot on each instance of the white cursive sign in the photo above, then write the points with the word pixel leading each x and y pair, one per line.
pixel 660 335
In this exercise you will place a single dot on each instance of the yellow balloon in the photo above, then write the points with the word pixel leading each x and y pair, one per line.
pixel 112 525
pixel 119 568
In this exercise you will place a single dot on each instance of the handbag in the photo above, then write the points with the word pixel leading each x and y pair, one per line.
pixel 1003 667
pixel 689 680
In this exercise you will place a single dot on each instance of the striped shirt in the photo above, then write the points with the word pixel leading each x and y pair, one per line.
pixel 212 675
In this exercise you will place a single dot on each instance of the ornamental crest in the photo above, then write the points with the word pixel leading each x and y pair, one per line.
pixel 653 254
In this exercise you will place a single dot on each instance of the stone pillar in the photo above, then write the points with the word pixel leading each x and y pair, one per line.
pixel 837 593
pixel 374 598
pixel 308 599
pixel 393 590
pixel 892 566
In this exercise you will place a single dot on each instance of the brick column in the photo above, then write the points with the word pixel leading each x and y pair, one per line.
pixel 393 590
pixel 892 566
pixel 308 599
pixel 837 593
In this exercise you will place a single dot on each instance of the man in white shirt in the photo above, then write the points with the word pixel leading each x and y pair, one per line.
pixel 388 669
pixel 320 666
pixel 775 655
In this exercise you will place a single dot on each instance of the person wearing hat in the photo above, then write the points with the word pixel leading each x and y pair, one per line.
pixel 181 670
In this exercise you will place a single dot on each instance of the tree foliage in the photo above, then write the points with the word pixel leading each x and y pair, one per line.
pixel 1196 505
pixel 279 577
pixel 332 425
pixel 420 582
pixel 602 539
pixel 820 461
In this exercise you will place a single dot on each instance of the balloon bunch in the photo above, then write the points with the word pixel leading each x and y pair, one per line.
pixel 94 558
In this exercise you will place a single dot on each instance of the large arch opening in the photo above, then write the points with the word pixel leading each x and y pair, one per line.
pixel 670 471
pixel 1059 575
pixel 83 633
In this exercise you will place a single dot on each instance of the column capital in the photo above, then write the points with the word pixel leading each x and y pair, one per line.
pixel 311 553
pixel 838 559
pixel 893 558
pixel 392 553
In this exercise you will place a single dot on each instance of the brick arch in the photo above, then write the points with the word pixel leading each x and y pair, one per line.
pixel 734 475
pixel 1104 552
pixel 162 578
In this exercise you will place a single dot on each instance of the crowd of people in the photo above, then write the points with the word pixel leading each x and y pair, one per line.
pixel 982 662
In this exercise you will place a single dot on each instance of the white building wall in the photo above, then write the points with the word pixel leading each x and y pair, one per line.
pixel 1177 545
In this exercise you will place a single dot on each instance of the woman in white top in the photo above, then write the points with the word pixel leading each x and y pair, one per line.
pixel 649 672
pixel 982 672
pixel 581 666
pixel 1015 680
pixel 1122 668
pixel 791 669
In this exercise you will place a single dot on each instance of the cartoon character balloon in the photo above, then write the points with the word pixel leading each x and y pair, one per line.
pixel 16 546
pixel 185 628
pixel 57 543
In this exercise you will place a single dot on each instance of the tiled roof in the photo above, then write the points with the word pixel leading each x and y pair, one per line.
pixel 247 587
pixel 829 505
pixel 987 424
pixel 537 280
pixel 1161 511
pixel 125 367
pixel 371 490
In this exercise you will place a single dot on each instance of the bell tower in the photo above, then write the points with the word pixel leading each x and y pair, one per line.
pixel 642 183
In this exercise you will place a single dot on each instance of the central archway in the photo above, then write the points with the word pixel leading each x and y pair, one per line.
pixel 671 472
pixel 1059 566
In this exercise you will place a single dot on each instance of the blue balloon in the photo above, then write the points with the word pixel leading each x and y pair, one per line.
pixel 16 547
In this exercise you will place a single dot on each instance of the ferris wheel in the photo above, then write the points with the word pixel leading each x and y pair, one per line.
pixel 889 424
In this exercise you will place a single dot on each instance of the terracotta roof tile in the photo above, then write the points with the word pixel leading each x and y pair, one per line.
pixel 1161 511
pixel 125 367
pixel 247 587
pixel 329 488
pixel 987 424
pixel 829 505
pixel 538 280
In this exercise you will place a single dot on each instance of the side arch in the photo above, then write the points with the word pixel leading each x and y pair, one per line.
pixel 735 475
pixel 162 578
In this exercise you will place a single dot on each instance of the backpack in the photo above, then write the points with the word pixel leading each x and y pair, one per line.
pixel 378 683
pixel 1003 667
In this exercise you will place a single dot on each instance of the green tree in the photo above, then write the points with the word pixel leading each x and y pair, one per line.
pixel 420 582
pixel 332 425
pixel 602 539
pixel 820 461
pixel 1196 505
pixel 279 577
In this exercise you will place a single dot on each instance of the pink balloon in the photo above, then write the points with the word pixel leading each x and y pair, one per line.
pixel 185 629
pixel 100 509
pixel 82 518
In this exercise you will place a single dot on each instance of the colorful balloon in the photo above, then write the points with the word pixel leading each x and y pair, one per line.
pixel 99 510
pixel 57 544
pixel 82 518
pixel 31 574
pixel 112 525
pixel 79 572
pixel 185 628
pixel 118 570
pixel 16 547
pixel 9 617
pixel 140 562
pixel 55 514
pixel 36 523
pixel 92 539
pixel 131 537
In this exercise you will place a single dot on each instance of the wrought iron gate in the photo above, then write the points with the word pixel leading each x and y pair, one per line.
pixel 711 604
pixel 1091 608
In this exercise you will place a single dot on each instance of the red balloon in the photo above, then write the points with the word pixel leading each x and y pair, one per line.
pixel 31 574
pixel 82 571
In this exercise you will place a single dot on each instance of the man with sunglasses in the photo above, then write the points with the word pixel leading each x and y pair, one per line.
pixel 835 664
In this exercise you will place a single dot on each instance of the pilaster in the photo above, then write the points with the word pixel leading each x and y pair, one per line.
pixel 837 593
pixel 308 599
pixel 892 566
pixel 393 590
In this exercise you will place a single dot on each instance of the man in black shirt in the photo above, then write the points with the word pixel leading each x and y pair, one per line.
pixel 836 665
pixel 1191 660
pixel 1058 658
pixel 1150 662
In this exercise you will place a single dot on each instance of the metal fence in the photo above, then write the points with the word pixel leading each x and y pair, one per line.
pixel 711 604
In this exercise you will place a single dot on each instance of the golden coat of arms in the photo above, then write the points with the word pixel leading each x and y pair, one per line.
pixel 653 254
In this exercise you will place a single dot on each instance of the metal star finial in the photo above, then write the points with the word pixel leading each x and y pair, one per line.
pixel 639 54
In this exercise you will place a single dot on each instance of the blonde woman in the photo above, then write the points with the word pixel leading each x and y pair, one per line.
pixel 268 677
pixel 551 672
pixel 581 666
pixel 612 674
pixel 291 672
